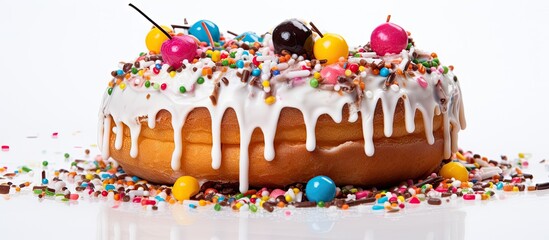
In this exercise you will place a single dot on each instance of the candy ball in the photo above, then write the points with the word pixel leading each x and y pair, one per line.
pixel 320 188
pixel 185 187
pixel 388 38
pixel 155 38
pixel 384 72
pixel 177 49
pixel 250 37
pixel 455 170
pixel 293 36
pixel 331 73
pixel 331 47
pixel 198 31
pixel 277 192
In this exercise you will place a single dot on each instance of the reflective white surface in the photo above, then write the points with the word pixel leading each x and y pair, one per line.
pixel 22 215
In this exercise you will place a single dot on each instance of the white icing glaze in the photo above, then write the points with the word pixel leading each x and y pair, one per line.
pixel 291 89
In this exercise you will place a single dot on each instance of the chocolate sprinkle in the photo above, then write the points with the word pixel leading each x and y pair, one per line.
pixel 225 81
pixel 390 79
pixel 342 79
pixel 361 201
pixel 127 67
pixel 434 201
pixel 381 65
pixel 304 204
pixel 213 99
pixel 245 75
pixel 542 186
pixel 430 180
pixel 268 206
pixel 4 189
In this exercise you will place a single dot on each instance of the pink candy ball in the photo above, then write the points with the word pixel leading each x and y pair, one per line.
pixel 331 73
pixel 388 38
pixel 277 192
pixel 177 49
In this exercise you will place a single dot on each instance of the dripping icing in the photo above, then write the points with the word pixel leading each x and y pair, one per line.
pixel 124 106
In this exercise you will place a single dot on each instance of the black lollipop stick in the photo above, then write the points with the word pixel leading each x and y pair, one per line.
pixel 150 20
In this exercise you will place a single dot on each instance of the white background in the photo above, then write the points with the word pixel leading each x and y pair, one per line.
pixel 57 57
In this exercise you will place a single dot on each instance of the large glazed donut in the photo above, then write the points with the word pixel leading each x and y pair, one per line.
pixel 339 153
pixel 389 119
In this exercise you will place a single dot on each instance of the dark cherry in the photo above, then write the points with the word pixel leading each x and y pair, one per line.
pixel 293 36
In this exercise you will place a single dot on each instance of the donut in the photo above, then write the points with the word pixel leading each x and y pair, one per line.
pixel 262 115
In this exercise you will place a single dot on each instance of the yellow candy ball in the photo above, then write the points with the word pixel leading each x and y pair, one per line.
pixel 331 47
pixel 185 187
pixel 455 170
pixel 155 38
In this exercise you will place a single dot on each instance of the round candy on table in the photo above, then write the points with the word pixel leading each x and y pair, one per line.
pixel 331 47
pixel 177 49
pixel 455 170
pixel 250 37
pixel 185 187
pixel 320 188
pixel 388 38
pixel 293 36
pixel 198 31
pixel 156 37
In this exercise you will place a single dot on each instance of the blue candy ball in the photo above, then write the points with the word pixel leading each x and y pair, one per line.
pixel 240 64
pixel 250 37
pixel 320 188
pixel 256 72
pixel 384 72
pixel 198 31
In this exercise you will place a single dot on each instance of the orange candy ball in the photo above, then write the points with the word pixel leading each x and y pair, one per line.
pixel 331 47
pixel 185 187
pixel 155 38
pixel 455 170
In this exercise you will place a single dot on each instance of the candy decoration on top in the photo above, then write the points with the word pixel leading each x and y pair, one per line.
pixel 331 72
pixel 388 38
pixel 293 36
pixel 250 37
pixel 330 47
pixel 156 37
pixel 175 49
pixel 199 31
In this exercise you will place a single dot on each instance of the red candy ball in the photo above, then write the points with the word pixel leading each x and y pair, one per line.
pixel 353 67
